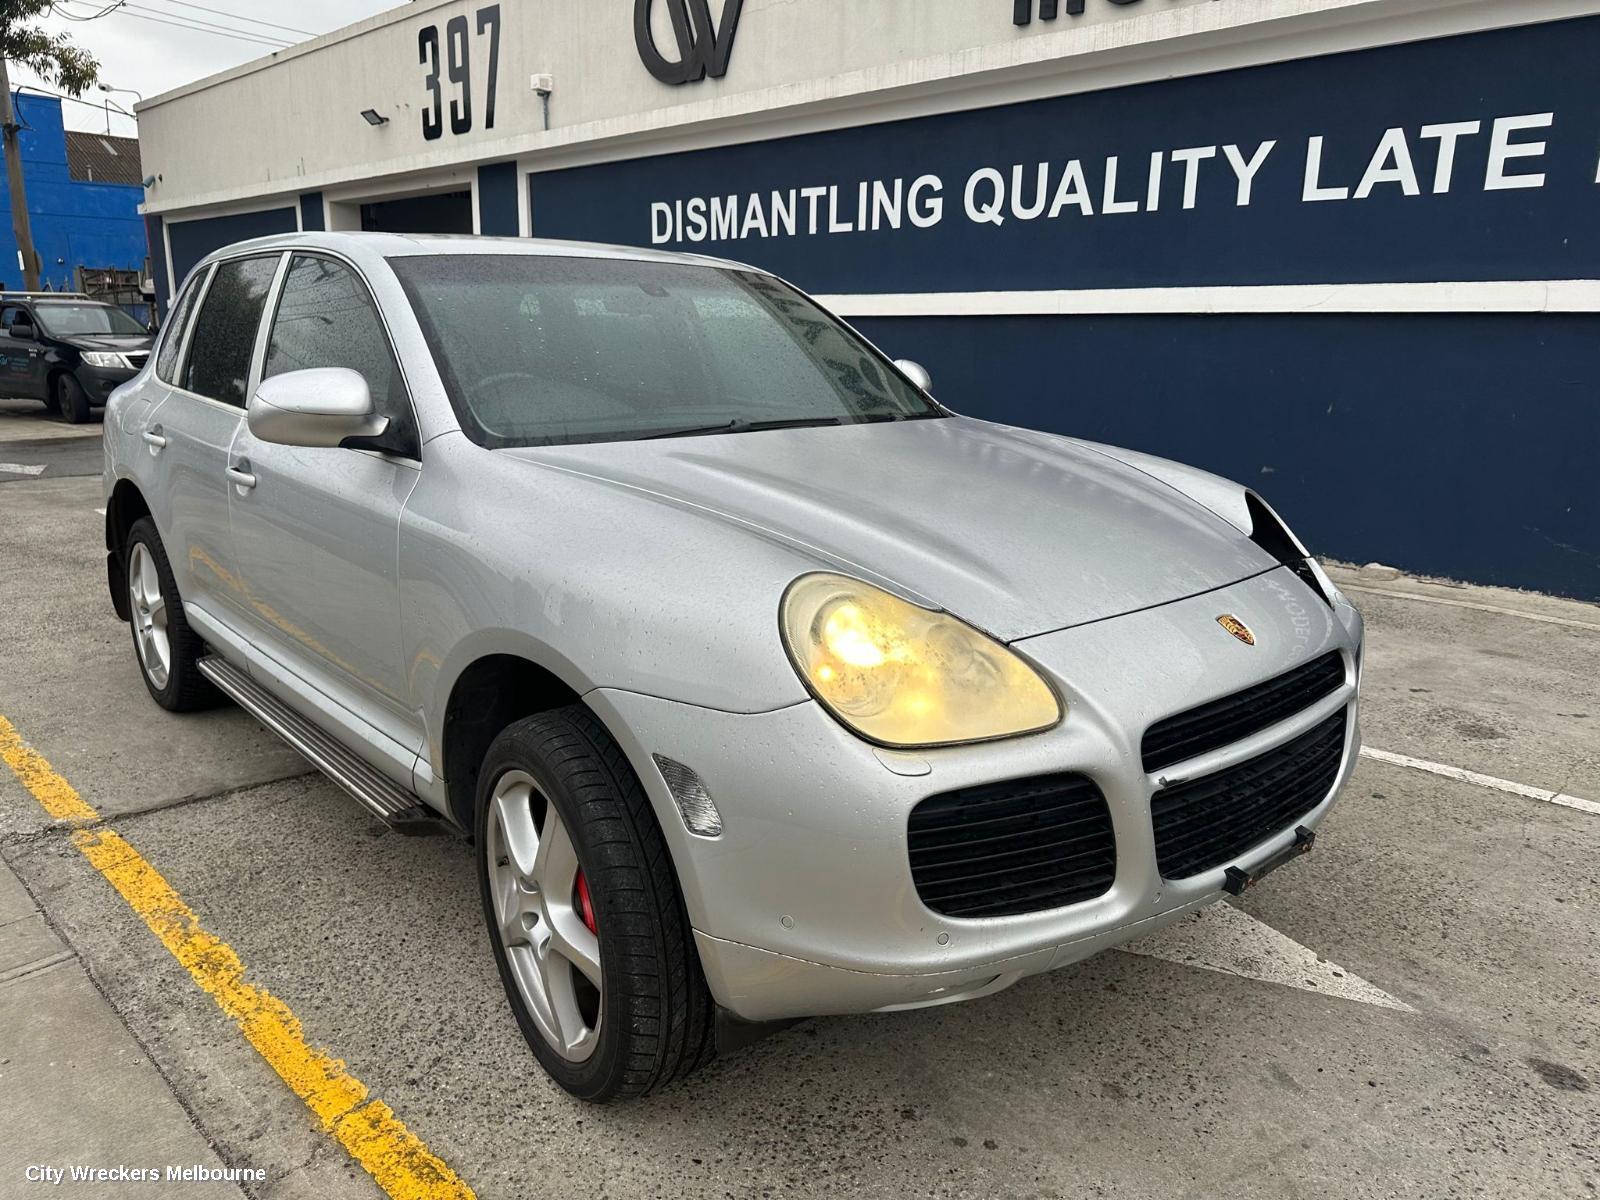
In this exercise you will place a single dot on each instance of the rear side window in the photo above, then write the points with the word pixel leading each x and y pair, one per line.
pixel 326 318
pixel 172 339
pixel 225 329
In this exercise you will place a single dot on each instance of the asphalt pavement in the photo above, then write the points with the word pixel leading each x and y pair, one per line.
pixel 1412 1010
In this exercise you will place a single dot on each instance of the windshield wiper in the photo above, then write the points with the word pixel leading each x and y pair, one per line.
pixel 737 426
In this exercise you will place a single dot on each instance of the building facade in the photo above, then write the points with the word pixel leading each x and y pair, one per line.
pixel 83 199
pixel 1344 251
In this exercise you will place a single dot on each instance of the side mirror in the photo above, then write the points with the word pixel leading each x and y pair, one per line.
pixel 320 406
pixel 23 332
pixel 916 372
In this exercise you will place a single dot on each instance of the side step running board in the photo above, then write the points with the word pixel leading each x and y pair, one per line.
pixel 379 795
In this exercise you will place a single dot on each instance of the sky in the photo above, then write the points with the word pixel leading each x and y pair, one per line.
pixel 141 47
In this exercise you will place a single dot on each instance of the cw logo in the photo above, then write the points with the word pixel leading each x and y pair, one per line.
pixel 1022 10
pixel 703 49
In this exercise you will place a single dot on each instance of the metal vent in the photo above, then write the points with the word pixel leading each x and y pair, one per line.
pixel 1206 822
pixel 1222 722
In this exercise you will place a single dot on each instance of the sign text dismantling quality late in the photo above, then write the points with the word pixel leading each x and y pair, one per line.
pixel 1411 162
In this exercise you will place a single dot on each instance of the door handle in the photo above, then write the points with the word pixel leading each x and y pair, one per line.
pixel 153 436
pixel 240 474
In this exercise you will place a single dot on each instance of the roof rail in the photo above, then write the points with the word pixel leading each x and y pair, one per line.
pixel 7 295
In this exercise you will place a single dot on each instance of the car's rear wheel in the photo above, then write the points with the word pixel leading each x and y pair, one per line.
pixel 168 650
pixel 71 402
pixel 587 923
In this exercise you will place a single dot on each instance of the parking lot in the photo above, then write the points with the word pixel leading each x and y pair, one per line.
pixel 1413 1010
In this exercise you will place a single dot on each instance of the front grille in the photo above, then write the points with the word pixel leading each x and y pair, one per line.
pixel 1222 722
pixel 136 358
pixel 1213 820
pixel 1022 846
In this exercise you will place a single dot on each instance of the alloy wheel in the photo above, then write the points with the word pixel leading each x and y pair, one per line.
pixel 149 608
pixel 544 918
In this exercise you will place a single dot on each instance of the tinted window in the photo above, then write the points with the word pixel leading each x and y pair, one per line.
pixel 326 318
pixel 172 339
pixel 11 314
pixel 540 349
pixel 225 330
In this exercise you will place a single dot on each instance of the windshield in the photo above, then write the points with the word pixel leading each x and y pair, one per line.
pixel 538 350
pixel 71 320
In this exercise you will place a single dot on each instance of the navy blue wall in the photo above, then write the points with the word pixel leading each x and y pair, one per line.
pixel 75 223
pixel 193 240
pixel 1349 100
pixel 158 262
pixel 497 200
pixel 311 211
pixel 1456 445
pixel 1461 445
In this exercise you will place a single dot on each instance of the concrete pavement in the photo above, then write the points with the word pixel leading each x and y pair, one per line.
pixel 76 1088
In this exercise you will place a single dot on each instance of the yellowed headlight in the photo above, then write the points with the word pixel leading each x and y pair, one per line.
pixel 901 675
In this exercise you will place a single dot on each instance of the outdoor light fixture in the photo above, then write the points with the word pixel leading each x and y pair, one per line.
pixel 373 117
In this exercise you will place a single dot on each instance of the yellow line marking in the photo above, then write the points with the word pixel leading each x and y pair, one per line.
pixel 366 1127
pixel 54 794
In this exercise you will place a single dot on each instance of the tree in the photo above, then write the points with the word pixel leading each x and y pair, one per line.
pixel 55 58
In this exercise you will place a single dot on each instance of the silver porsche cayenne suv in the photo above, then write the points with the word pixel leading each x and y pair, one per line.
pixel 764 685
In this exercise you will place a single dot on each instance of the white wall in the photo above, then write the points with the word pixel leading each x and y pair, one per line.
pixel 291 122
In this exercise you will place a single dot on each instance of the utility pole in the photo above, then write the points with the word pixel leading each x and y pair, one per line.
pixel 20 224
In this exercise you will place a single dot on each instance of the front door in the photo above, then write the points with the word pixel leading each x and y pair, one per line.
pixel 21 359
pixel 316 535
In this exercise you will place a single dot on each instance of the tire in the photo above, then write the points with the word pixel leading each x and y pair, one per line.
pixel 71 402
pixel 649 1018
pixel 167 650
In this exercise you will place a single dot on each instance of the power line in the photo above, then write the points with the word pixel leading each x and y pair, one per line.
pixel 61 11
pixel 184 21
pixel 121 9
pixel 208 26
pixel 221 12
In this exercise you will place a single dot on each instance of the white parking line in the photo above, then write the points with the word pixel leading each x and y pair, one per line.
pixel 22 468
pixel 1488 781
pixel 1449 602
pixel 100 511
pixel 1225 939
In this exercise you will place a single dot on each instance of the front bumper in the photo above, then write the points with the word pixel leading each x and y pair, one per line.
pixel 805 904
pixel 99 382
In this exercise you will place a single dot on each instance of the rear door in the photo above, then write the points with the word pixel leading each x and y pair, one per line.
pixel 198 421
pixel 141 415
pixel 316 537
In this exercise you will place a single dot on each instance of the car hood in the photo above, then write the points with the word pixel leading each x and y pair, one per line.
pixel 1015 532
pixel 116 342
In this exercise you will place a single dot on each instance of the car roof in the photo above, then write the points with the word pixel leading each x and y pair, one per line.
pixel 404 245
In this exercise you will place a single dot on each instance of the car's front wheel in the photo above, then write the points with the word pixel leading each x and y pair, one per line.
pixel 71 402
pixel 587 923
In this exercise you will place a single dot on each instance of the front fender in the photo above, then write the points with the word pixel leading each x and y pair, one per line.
pixel 1222 496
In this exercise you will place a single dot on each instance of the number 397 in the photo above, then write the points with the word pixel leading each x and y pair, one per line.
pixel 457 69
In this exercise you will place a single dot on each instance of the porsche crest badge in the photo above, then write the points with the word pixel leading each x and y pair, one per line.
pixel 1238 628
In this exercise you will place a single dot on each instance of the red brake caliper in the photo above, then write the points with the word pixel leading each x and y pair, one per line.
pixel 580 897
